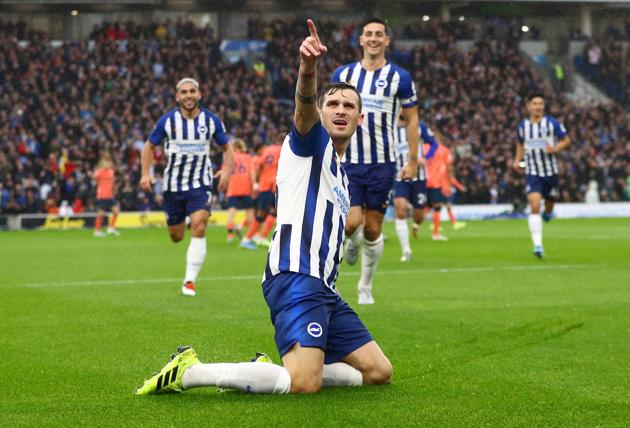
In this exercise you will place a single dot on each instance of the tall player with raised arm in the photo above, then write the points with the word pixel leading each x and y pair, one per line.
pixel 540 137
pixel 321 340
pixel 370 160
pixel 186 132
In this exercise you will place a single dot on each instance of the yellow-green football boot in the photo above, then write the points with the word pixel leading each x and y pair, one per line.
pixel 169 379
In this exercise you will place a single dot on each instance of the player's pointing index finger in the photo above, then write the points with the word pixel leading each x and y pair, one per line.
pixel 313 30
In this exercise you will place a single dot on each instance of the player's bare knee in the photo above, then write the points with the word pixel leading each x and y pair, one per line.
pixel 350 229
pixel 198 230
pixel 305 385
pixel 379 373
pixel 176 237
pixel 371 232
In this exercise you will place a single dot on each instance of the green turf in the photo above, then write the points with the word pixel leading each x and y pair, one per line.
pixel 478 330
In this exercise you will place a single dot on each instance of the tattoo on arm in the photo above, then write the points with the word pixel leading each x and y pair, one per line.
pixel 306 99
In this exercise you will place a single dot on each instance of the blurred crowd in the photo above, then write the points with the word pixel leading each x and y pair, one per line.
pixel 605 60
pixel 62 107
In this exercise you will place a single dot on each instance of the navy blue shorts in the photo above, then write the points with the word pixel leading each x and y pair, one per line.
pixel 240 202
pixel 266 201
pixel 370 185
pixel 413 191
pixel 105 204
pixel 304 310
pixel 546 186
pixel 178 205
pixel 435 196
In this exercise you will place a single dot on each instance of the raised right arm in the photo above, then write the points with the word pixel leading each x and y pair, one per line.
pixel 306 113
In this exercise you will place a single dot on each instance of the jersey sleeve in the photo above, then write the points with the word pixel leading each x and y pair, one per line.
pixel 520 132
pixel 312 144
pixel 336 76
pixel 407 91
pixel 558 129
pixel 159 131
pixel 427 136
pixel 220 134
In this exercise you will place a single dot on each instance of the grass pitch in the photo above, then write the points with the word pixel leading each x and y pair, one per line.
pixel 478 330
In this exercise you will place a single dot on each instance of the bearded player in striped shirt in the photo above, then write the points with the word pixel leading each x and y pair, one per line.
pixel 540 137
pixel 321 340
pixel 186 132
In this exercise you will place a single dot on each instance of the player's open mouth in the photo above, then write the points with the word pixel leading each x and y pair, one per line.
pixel 340 122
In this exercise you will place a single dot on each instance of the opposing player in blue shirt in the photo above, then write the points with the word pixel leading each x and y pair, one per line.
pixel 386 91
pixel 321 340
pixel 186 132
pixel 540 137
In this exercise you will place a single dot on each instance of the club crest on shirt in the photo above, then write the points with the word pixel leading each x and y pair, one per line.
pixel 381 83
pixel 202 130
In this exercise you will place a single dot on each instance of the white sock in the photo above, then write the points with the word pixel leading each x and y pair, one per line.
pixel 356 238
pixel 260 378
pixel 535 228
pixel 402 230
pixel 341 374
pixel 194 258
pixel 372 252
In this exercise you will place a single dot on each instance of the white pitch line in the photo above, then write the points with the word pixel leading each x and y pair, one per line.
pixel 259 277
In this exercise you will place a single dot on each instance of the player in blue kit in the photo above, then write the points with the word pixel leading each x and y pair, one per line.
pixel 386 91
pixel 411 191
pixel 540 137
pixel 186 132
pixel 321 340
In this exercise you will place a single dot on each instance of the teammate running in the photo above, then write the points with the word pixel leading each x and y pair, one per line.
pixel 186 132
pixel 540 137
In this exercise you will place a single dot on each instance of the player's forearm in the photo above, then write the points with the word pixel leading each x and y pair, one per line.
pixel 228 159
pixel 413 132
pixel 520 152
pixel 458 185
pixel 563 145
pixel 306 113
pixel 147 158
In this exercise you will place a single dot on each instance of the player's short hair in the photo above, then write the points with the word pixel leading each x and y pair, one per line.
pixel 331 88
pixel 187 80
pixel 259 147
pixel 239 144
pixel 535 94
pixel 374 21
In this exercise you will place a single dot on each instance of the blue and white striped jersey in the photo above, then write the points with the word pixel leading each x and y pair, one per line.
pixel 402 157
pixel 312 206
pixel 383 93
pixel 187 148
pixel 535 137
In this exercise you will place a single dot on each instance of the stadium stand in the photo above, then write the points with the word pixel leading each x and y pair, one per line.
pixel 61 106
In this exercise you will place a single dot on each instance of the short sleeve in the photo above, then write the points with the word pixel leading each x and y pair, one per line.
pixel 336 76
pixel 220 134
pixel 407 91
pixel 427 136
pixel 159 131
pixel 520 132
pixel 312 144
